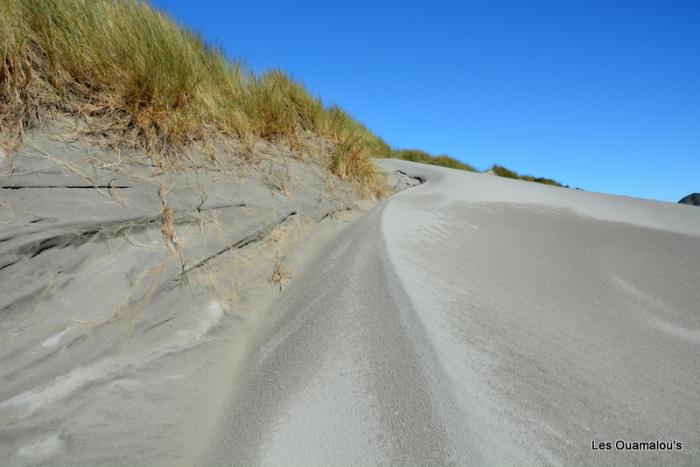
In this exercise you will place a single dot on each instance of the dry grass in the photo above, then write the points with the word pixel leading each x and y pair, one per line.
pixel 279 272
pixel 240 277
pixel 167 228
pixel 137 79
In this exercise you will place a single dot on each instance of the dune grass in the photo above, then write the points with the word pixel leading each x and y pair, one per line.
pixel 416 155
pixel 504 172
pixel 141 80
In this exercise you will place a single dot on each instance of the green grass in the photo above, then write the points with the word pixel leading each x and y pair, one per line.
pixel 504 172
pixel 416 155
pixel 137 77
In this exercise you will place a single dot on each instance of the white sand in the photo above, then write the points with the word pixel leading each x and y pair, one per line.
pixel 480 320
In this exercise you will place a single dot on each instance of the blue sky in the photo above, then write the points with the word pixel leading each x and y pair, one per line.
pixel 604 95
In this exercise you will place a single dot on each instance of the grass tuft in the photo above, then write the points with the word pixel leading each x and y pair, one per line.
pixel 416 155
pixel 507 173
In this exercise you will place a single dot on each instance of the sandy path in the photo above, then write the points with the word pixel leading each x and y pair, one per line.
pixel 478 320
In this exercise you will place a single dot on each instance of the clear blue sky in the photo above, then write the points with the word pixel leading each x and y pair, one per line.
pixel 604 95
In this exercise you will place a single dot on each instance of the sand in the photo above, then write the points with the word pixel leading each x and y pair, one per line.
pixel 117 347
pixel 466 320
pixel 476 320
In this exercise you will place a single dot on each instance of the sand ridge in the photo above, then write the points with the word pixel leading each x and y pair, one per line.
pixel 478 320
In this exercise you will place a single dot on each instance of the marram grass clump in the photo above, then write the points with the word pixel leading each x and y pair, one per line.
pixel 507 173
pixel 416 155
pixel 141 80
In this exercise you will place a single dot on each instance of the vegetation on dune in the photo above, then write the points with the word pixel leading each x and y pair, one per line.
pixel 138 78
pixel 416 155
pixel 504 172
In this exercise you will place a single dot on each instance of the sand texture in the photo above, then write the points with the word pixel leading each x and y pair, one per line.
pixel 466 320
pixel 475 320
pixel 129 294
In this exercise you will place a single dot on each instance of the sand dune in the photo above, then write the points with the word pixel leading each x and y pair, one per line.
pixel 466 320
pixel 480 320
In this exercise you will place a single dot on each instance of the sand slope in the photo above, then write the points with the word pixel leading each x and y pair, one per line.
pixel 480 320
pixel 115 347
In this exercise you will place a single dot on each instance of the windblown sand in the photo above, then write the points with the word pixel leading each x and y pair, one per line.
pixel 480 320
pixel 467 320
